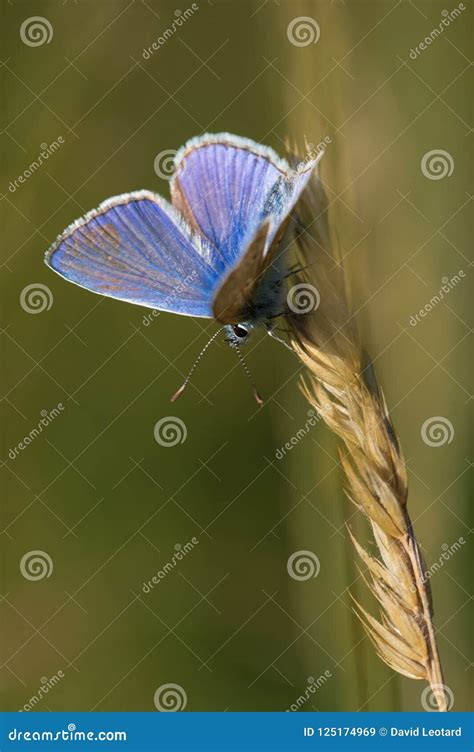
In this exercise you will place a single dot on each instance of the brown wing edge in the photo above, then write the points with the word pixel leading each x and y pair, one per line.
pixel 234 296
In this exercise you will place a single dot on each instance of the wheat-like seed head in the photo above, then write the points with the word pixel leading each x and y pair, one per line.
pixel 341 385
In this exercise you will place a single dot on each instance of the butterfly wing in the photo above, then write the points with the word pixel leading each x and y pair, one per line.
pixel 136 248
pixel 226 186
pixel 232 301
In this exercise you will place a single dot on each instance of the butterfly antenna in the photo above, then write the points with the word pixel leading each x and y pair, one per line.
pixel 257 396
pixel 188 377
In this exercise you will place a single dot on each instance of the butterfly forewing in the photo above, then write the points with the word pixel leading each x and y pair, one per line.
pixel 135 248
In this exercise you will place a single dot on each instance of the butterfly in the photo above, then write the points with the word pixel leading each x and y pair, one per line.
pixel 215 251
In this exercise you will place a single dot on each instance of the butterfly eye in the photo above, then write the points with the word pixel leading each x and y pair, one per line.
pixel 240 331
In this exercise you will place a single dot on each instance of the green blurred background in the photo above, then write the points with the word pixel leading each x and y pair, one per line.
pixel 95 491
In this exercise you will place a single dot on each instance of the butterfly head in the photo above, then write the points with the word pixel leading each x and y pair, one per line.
pixel 238 334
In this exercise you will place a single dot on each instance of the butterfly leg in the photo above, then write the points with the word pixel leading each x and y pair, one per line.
pixel 296 269
pixel 271 331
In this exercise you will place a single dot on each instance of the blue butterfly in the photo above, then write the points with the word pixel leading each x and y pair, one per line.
pixel 213 252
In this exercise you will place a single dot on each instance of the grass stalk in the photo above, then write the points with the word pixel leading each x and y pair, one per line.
pixel 342 386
